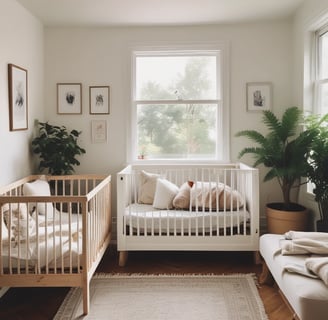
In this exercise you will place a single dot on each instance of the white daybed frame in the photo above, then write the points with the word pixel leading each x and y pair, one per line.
pixel 241 237
pixel 86 204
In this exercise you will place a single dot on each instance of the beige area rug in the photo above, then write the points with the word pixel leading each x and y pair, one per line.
pixel 167 297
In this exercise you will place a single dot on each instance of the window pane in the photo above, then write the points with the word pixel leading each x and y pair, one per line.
pixel 323 98
pixel 176 77
pixel 323 56
pixel 177 131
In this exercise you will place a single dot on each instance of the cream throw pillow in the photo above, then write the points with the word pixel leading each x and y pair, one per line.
pixel 182 199
pixel 39 188
pixel 147 187
pixel 208 194
pixel 164 194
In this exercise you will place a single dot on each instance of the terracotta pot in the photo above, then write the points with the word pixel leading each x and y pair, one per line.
pixel 280 221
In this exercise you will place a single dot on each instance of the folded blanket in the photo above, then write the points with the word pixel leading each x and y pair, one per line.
pixel 303 246
pixel 300 269
pixel 292 235
pixel 307 243
pixel 318 266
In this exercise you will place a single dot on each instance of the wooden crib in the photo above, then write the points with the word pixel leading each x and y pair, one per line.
pixel 209 207
pixel 54 231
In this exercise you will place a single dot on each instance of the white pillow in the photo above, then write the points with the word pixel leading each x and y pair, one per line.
pixel 164 194
pixel 39 188
pixel 18 219
pixel 147 186
pixel 4 230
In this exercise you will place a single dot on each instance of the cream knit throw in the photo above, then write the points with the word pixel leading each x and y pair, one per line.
pixel 298 242
pixel 304 246
pixel 318 266
pixel 292 235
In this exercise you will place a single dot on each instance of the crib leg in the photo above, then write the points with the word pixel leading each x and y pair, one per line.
pixel 123 257
pixel 86 298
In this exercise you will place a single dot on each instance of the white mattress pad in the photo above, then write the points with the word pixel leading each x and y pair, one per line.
pixel 146 217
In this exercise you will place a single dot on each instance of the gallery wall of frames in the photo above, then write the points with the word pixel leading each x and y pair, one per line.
pixel 69 102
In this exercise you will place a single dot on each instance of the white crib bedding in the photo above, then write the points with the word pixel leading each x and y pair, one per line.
pixel 55 243
pixel 145 217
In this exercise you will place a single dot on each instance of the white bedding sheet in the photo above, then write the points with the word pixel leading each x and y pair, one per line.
pixel 54 243
pixel 146 217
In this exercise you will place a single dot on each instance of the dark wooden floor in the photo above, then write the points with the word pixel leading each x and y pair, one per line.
pixel 43 303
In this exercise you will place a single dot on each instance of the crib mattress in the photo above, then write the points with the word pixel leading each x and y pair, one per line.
pixel 144 217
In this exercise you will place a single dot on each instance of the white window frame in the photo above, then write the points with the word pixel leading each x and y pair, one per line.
pixel 223 127
pixel 318 82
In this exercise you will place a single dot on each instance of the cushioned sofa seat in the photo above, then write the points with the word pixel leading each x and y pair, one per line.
pixel 307 296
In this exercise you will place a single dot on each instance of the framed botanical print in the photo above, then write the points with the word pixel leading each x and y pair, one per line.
pixel 99 99
pixel 99 131
pixel 18 98
pixel 69 98
pixel 259 96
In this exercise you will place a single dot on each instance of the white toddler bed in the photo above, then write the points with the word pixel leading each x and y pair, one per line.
pixel 54 238
pixel 187 207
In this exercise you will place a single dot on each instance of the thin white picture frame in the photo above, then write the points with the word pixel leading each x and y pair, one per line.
pixel 99 131
pixel 259 96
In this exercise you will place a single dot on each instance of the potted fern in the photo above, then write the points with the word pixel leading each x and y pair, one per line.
pixel 57 148
pixel 318 166
pixel 284 150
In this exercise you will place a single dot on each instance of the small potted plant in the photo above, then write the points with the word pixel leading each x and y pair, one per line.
pixel 57 148
pixel 284 150
pixel 318 166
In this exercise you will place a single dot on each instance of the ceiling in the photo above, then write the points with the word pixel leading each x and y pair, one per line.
pixel 156 12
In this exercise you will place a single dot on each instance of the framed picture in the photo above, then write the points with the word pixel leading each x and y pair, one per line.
pixel 99 100
pixel 69 98
pixel 259 96
pixel 99 131
pixel 18 102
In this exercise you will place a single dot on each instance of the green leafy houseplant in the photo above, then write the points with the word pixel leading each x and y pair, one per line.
pixel 318 166
pixel 284 150
pixel 57 148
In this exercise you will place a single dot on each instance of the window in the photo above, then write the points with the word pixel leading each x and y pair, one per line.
pixel 321 74
pixel 320 78
pixel 177 108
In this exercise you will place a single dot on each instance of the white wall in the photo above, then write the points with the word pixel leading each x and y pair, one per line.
pixel 268 51
pixel 308 18
pixel 99 56
pixel 21 38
